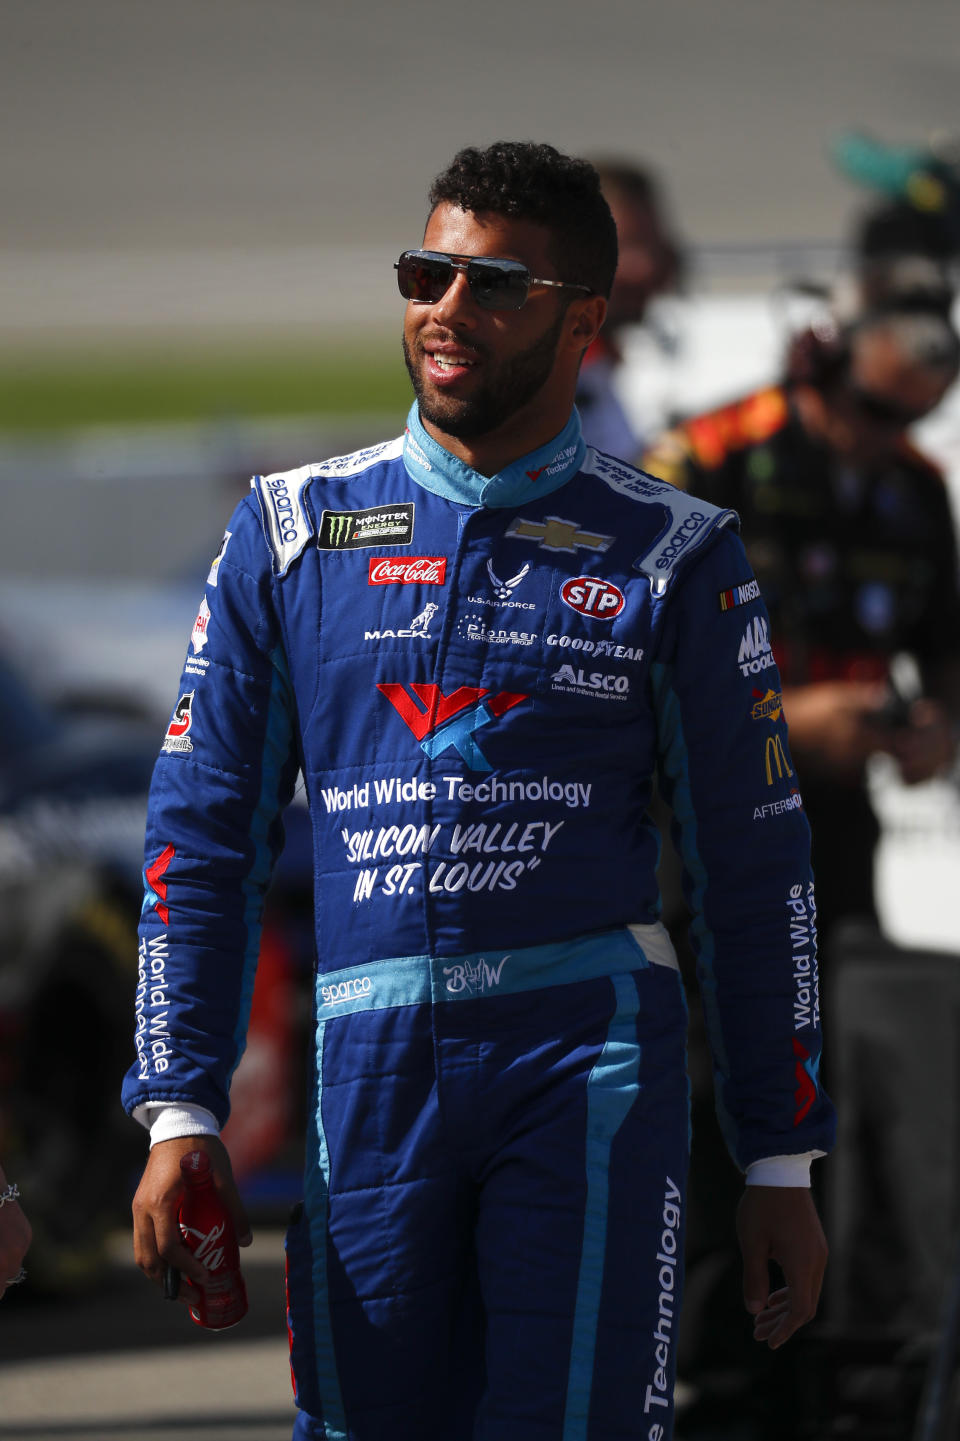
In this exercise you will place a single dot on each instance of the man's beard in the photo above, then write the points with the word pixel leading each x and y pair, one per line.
pixel 506 392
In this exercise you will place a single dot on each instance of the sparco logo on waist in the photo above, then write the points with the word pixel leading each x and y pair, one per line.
pixel 408 570
pixel 591 596
pixel 381 525
pixel 680 539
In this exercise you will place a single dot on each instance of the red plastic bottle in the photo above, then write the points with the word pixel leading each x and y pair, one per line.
pixel 207 1230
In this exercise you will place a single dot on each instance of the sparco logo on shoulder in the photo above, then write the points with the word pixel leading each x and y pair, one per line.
pixel 408 570
pixel 283 505
pixel 590 596
pixel 680 538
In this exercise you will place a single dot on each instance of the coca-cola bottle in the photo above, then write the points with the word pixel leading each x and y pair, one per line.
pixel 207 1229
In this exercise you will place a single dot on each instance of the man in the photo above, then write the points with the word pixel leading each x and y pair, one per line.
pixel 849 532
pixel 650 263
pixel 492 1233
pixel 15 1236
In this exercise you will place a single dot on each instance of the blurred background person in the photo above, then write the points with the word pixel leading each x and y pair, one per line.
pixel 15 1235
pixel 651 263
pixel 849 530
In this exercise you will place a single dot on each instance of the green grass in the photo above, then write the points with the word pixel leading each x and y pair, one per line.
pixel 68 390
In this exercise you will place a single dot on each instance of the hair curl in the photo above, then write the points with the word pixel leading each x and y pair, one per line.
pixel 538 183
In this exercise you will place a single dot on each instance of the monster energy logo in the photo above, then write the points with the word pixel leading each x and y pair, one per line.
pixel 382 525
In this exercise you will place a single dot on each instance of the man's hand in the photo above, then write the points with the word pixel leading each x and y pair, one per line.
pixel 156 1234
pixel 780 1223
pixel 835 726
pixel 925 745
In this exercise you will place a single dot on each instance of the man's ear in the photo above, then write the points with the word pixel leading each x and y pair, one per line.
pixel 584 320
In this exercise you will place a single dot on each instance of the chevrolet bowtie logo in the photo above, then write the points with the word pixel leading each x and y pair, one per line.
pixel 556 534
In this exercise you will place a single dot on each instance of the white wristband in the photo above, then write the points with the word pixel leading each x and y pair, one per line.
pixel 782 1170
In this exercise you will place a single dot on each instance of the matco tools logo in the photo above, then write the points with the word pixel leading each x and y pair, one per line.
pixel 756 652
pixel 408 570
pixel 442 722
pixel 553 533
pixel 351 529
pixel 591 596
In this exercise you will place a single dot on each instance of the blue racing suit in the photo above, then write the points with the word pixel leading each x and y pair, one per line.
pixel 479 680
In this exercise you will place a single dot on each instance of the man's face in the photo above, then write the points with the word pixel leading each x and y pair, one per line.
pixel 647 263
pixel 475 371
pixel 883 393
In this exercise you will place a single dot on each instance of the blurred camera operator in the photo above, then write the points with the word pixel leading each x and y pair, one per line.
pixel 851 538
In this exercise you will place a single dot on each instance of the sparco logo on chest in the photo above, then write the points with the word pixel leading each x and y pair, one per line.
pixel 591 596
pixel 408 570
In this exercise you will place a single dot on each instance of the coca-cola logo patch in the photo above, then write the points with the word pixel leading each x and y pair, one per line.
pixel 589 595
pixel 408 570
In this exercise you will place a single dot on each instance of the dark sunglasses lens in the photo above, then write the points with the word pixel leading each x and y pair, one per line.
pixel 422 279
pixel 496 286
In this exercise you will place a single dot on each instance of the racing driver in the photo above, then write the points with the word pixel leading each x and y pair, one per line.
pixel 481 643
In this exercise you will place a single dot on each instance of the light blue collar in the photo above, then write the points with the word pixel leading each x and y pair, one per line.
pixel 542 471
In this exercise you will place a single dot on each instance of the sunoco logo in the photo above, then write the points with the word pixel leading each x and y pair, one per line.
pixel 351 529
pixel 591 596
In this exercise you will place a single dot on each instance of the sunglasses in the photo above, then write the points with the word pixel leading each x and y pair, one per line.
pixel 426 275
pixel 885 411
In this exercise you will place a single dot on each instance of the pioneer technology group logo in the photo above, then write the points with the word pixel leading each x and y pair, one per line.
pixel 448 722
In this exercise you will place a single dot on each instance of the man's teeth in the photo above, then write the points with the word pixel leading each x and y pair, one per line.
pixel 450 362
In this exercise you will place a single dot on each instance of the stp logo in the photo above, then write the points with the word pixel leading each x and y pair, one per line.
pixel 593 597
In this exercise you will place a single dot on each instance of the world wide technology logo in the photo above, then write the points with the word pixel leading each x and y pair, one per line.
pixel 449 722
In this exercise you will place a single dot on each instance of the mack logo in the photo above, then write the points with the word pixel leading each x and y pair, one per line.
pixel 381 525
pixel 553 533
pixel 407 570
pixel 592 596
pixel 442 722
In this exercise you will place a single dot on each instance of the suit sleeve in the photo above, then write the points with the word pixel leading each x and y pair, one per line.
pixel 744 842
pixel 226 768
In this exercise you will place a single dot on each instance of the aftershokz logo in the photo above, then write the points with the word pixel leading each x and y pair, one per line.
pixel 740 595
pixel 588 595
pixel 176 738
pixel 407 570
pixel 554 533
pixel 442 722
pixel 352 529
pixel 156 887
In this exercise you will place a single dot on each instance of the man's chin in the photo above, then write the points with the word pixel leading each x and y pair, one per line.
pixel 462 419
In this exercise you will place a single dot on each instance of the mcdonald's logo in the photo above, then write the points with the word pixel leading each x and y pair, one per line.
pixel 775 757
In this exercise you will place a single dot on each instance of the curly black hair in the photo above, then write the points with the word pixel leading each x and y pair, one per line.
pixel 539 183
